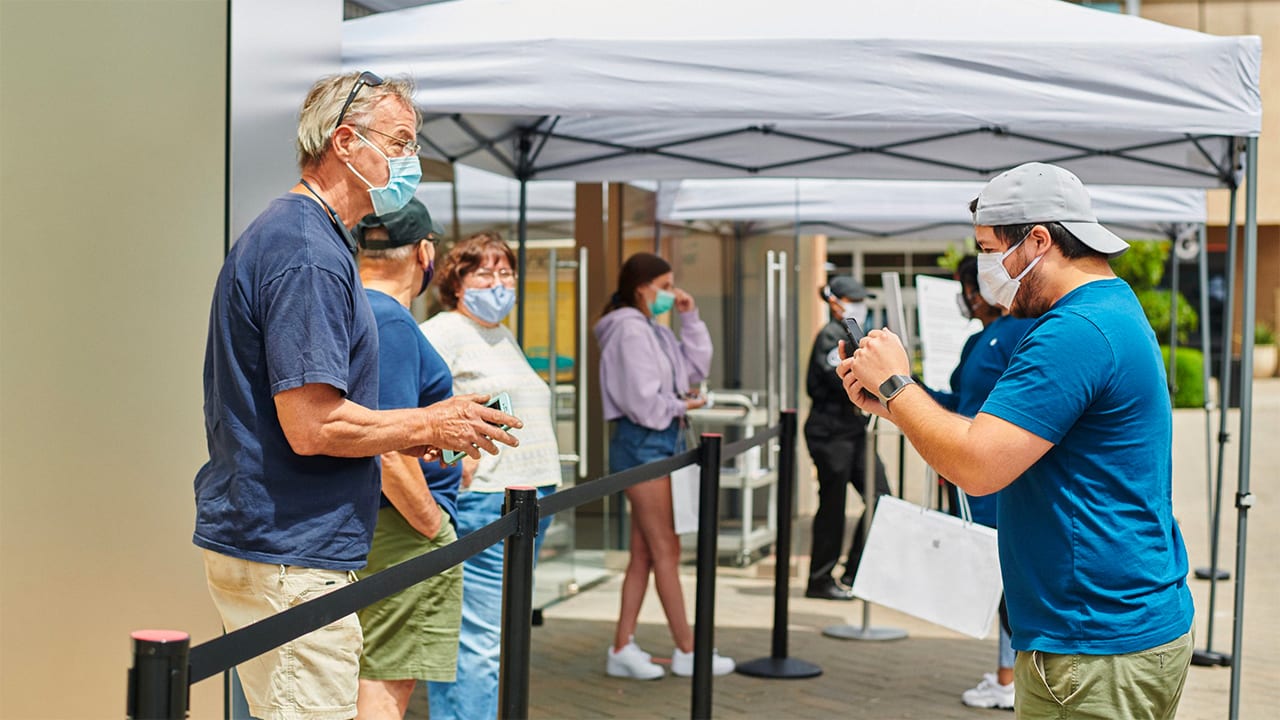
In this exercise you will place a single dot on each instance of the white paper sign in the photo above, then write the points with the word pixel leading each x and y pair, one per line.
pixel 943 330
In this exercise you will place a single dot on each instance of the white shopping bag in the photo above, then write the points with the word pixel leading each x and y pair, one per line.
pixel 931 565
pixel 685 484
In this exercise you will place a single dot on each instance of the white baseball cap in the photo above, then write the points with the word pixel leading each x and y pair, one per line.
pixel 1038 193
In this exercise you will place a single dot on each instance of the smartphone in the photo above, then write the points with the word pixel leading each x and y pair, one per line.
pixel 501 401
pixel 855 333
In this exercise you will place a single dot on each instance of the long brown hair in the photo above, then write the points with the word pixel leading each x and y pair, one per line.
pixel 639 269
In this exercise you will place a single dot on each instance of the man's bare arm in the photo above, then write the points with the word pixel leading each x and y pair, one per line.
pixel 318 420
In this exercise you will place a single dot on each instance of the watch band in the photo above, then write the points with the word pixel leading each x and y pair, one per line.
pixel 894 385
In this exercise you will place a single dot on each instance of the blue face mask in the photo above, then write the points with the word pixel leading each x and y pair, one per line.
pixel 662 302
pixel 490 305
pixel 402 181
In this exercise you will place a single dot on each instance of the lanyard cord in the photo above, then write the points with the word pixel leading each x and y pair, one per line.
pixel 341 229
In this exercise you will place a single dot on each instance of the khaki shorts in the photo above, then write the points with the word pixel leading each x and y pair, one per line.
pixel 412 635
pixel 315 677
pixel 1143 685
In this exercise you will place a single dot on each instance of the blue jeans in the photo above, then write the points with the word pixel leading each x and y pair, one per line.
pixel 1007 654
pixel 474 693
pixel 631 445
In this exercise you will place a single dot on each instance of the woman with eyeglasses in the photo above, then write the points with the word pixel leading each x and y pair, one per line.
pixel 477 287
pixel 646 379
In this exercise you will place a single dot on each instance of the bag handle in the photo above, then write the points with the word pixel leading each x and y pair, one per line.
pixel 931 481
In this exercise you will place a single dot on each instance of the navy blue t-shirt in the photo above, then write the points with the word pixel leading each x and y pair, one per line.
pixel 1092 559
pixel 412 374
pixel 287 311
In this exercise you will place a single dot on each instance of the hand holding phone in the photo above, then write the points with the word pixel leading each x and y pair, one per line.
pixel 855 335
pixel 501 401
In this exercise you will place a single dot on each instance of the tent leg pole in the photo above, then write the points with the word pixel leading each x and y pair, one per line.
pixel 522 234
pixel 1244 499
pixel 1208 656
pixel 1206 362
pixel 1173 317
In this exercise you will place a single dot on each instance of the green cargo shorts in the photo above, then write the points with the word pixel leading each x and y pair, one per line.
pixel 412 635
pixel 1143 685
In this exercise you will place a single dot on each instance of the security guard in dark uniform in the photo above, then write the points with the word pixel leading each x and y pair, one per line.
pixel 836 434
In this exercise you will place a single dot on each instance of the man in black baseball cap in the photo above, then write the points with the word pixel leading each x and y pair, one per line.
pixel 412 635
pixel 836 433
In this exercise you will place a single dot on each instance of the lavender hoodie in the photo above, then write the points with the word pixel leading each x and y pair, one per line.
pixel 636 359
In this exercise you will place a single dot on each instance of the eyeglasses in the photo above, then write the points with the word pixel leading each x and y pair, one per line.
pixel 506 275
pixel 408 148
pixel 366 78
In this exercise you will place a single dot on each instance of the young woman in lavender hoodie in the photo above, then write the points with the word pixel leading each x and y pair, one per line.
pixel 647 379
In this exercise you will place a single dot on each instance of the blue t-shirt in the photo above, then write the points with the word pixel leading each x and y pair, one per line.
pixel 1092 559
pixel 983 360
pixel 287 311
pixel 413 375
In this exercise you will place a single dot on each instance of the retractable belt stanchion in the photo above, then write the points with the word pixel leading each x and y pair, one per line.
pixel 704 612
pixel 158 679
pixel 866 631
pixel 517 605
pixel 778 665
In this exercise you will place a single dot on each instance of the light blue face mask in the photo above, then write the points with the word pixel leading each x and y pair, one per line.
pixel 662 302
pixel 402 181
pixel 490 305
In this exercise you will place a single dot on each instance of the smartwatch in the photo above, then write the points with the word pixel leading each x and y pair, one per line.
pixel 894 385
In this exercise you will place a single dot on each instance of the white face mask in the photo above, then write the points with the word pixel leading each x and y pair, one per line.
pixel 994 283
pixel 855 310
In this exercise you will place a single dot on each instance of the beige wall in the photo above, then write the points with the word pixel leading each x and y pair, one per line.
pixel 1245 17
pixel 1240 17
pixel 111 224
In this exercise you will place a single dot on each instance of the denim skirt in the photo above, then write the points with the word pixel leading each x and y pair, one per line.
pixel 631 444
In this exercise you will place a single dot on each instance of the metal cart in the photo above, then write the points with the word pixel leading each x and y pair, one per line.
pixel 745 534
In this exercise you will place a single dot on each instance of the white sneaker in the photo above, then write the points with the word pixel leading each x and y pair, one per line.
pixel 682 664
pixel 632 662
pixel 989 694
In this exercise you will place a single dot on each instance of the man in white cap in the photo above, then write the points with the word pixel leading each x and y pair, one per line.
pixel 1077 434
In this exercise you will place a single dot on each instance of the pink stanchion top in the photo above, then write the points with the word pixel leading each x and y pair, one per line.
pixel 161 636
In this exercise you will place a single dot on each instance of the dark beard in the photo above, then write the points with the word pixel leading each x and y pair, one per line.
pixel 1030 302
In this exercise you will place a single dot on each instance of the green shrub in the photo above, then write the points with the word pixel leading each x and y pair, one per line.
pixel 1155 305
pixel 1263 334
pixel 1143 265
pixel 1189 375
pixel 950 260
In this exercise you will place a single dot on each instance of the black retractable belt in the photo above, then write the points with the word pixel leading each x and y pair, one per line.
pixel 222 653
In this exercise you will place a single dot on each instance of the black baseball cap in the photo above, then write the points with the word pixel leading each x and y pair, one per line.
pixel 843 286
pixel 405 226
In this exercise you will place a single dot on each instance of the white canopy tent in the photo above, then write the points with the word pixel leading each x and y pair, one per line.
pixel 905 209
pixel 913 89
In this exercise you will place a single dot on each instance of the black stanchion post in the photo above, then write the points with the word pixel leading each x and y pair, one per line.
pixel 517 605
pixel 778 665
pixel 704 616
pixel 158 679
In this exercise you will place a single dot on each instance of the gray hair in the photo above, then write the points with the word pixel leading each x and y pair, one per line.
pixel 395 254
pixel 319 113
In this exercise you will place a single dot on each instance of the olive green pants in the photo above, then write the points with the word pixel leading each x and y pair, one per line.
pixel 1144 685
